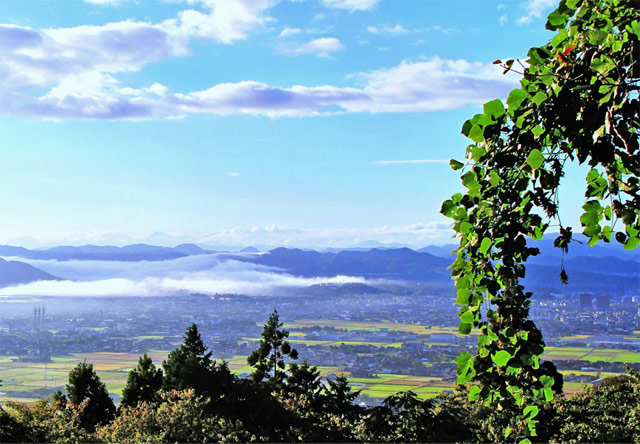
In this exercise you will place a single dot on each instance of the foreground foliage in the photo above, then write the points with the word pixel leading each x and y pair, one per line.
pixel 302 407
pixel 577 102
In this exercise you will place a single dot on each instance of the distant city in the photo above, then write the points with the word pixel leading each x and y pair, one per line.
pixel 392 312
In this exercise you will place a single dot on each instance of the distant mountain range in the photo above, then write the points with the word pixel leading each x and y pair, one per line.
pixel 395 264
pixel 603 268
pixel 129 253
pixel 598 273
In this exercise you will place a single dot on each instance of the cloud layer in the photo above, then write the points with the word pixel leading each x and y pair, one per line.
pixel 73 73
pixel 194 274
pixel 416 235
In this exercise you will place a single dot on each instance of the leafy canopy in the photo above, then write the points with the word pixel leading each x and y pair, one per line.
pixel 577 102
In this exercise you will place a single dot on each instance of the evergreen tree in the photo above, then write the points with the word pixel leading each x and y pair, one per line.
pixel 143 383
pixel 304 379
pixel 188 365
pixel 84 383
pixel 269 359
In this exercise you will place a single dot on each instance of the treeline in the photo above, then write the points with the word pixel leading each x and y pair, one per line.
pixel 193 398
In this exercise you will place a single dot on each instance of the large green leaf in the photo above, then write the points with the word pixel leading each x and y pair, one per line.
pixel 516 97
pixel 501 358
pixel 535 159
pixel 495 108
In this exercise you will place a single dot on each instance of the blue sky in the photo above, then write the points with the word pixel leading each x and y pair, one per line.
pixel 238 122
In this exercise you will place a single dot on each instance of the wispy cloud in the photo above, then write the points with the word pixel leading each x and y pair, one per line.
pixel 399 30
pixel 395 162
pixel 106 2
pixel 416 235
pixel 352 5
pixel 233 174
pixel 286 32
pixel 535 9
pixel 321 47
pixel 389 30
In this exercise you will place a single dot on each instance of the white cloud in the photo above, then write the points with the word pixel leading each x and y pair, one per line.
pixel 225 20
pixel 321 47
pixel 286 32
pixel 397 162
pixel 200 274
pixel 504 18
pixel 535 9
pixel 106 2
pixel 412 86
pixel 352 5
pixel 416 235
pixel 389 30
pixel 233 174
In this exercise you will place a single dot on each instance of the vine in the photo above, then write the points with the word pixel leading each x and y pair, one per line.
pixel 577 101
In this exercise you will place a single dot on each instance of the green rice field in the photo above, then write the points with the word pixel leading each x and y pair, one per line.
pixel 113 368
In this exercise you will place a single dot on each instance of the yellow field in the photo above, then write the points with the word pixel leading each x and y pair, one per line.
pixel 112 368
pixel 370 326
pixel 385 385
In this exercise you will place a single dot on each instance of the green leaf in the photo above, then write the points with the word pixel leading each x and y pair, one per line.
pixel 501 358
pixel 463 296
pixel 463 227
pixel 632 243
pixel 485 245
pixel 463 359
pixel 448 208
pixel 537 131
pixel 531 411
pixel 466 316
pixel 474 393
pixel 463 282
pixel 476 134
pixel 539 98
pixel 556 20
pixel 477 153
pixel 455 165
pixel 495 108
pixel 464 328
pixel 470 181
pixel 537 233
pixel 535 159
pixel 466 127
pixel 516 97
pixel 547 381
pixel 494 179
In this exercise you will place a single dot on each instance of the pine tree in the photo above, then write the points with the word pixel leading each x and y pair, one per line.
pixel 143 383
pixel 85 383
pixel 187 365
pixel 269 359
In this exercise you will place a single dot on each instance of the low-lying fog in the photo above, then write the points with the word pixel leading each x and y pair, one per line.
pixel 208 273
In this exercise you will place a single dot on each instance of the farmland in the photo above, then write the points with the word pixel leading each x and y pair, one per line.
pixel 383 344
pixel 34 379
